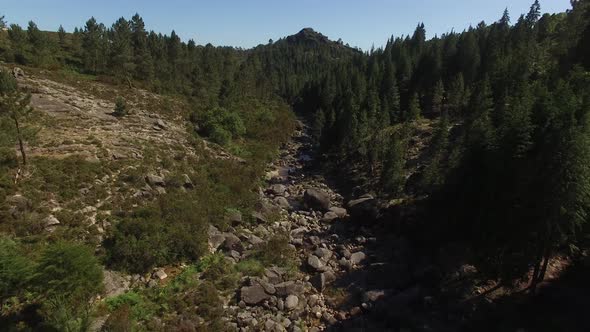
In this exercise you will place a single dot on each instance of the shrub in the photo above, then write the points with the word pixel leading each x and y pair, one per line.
pixel 120 107
pixel 68 270
pixel 15 269
pixel 137 245
pixel 8 157
pixel 169 230
pixel 250 267
pixel 221 125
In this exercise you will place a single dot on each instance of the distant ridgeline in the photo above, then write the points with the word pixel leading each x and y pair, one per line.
pixel 507 168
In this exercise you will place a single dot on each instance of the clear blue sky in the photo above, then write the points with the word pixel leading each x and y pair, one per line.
pixel 247 23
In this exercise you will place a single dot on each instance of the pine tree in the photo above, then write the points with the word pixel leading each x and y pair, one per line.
pixel 393 173
pixel 91 46
pixel 142 57
pixel 534 14
pixel 438 98
pixel 121 57
pixel 414 110
pixel 505 20
pixel 19 44
pixel 456 95
pixel 434 174
pixel 38 44
pixel 120 107
pixel 61 33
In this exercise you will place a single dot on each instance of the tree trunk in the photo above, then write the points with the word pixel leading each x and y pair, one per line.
pixel 534 278
pixel 20 141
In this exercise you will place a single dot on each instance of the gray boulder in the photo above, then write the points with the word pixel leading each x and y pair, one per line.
pixel 282 202
pixel 18 72
pixel 330 216
pixel 357 257
pixel 291 302
pixel 252 295
pixel 277 189
pixel 364 209
pixel 289 288
pixel 340 212
pixel 316 199
pixel 315 263
pixel 155 180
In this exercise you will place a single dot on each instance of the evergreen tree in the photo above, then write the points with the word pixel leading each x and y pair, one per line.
pixel 141 53
pixel 438 98
pixel 19 44
pixel 92 46
pixel 61 33
pixel 414 110
pixel 121 57
pixel 38 44
pixel 393 174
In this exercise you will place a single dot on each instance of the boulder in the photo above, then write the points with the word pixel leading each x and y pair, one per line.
pixel 282 202
pixel 160 124
pixel 314 262
pixel 215 241
pixel 50 221
pixel 299 232
pixel 357 257
pixel 316 199
pixel 363 209
pixel 253 295
pixel 232 242
pixel 259 217
pixel 340 212
pixel 329 216
pixel 277 189
pixel 155 180
pixel 268 287
pixel 291 302
pixel 255 240
pixel 323 253
pixel 274 275
pixel 115 283
pixel 233 217
pixel 373 295
pixel 18 72
pixel 289 288
pixel 159 274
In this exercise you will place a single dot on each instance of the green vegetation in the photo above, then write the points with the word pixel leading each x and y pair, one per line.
pixel 120 107
pixel 492 121
pixel 63 279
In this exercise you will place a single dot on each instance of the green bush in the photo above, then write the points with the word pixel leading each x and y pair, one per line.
pixel 68 270
pixel 221 125
pixel 7 82
pixel 15 269
pixel 120 107
pixel 169 230
pixel 250 267
pixel 135 304
pixel 137 245
pixel 8 157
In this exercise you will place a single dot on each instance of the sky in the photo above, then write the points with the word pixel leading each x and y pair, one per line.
pixel 247 23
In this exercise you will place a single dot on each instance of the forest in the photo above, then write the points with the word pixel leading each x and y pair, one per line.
pixel 502 110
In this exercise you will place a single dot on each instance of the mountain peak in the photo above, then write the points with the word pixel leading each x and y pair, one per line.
pixel 308 36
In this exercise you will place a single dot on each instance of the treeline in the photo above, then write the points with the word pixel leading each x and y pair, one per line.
pixel 507 169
